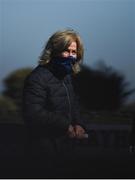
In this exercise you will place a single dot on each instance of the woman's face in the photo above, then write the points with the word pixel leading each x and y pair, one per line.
pixel 70 51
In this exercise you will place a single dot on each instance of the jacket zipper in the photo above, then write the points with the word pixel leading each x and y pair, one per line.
pixel 68 99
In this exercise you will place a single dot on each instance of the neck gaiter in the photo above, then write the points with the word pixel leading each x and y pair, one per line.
pixel 66 63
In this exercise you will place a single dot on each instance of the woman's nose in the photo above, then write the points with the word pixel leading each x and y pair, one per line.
pixel 70 54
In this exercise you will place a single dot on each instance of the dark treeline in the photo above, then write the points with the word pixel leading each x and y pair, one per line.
pixel 100 89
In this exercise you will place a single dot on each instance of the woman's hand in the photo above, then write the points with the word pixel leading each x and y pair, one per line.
pixel 79 132
pixel 76 131
pixel 71 131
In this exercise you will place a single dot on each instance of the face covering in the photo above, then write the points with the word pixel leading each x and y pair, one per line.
pixel 65 62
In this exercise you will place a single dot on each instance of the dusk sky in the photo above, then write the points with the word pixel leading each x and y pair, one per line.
pixel 107 28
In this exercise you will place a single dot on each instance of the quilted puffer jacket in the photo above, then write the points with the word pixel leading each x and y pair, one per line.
pixel 49 102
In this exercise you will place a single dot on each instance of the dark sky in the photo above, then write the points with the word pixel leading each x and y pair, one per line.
pixel 107 28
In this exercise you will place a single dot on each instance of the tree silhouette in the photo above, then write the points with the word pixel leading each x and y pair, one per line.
pixel 101 89
pixel 8 110
pixel 14 85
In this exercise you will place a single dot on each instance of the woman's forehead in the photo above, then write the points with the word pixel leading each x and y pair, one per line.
pixel 73 45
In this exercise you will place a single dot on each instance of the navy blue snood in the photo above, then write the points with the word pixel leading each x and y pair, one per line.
pixel 65 63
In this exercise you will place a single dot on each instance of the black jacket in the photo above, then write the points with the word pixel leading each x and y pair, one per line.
pixel 49 102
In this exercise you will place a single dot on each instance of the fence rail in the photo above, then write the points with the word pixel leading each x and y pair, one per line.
pixel 12 137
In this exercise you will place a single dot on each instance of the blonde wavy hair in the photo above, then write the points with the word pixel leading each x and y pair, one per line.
pixel 59 42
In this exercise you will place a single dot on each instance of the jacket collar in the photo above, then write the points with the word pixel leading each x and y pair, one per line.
pixel 57 71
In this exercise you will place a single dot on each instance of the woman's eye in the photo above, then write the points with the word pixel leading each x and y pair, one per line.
pixel 74 52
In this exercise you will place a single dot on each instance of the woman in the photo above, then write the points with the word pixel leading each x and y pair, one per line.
pixel 50 107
